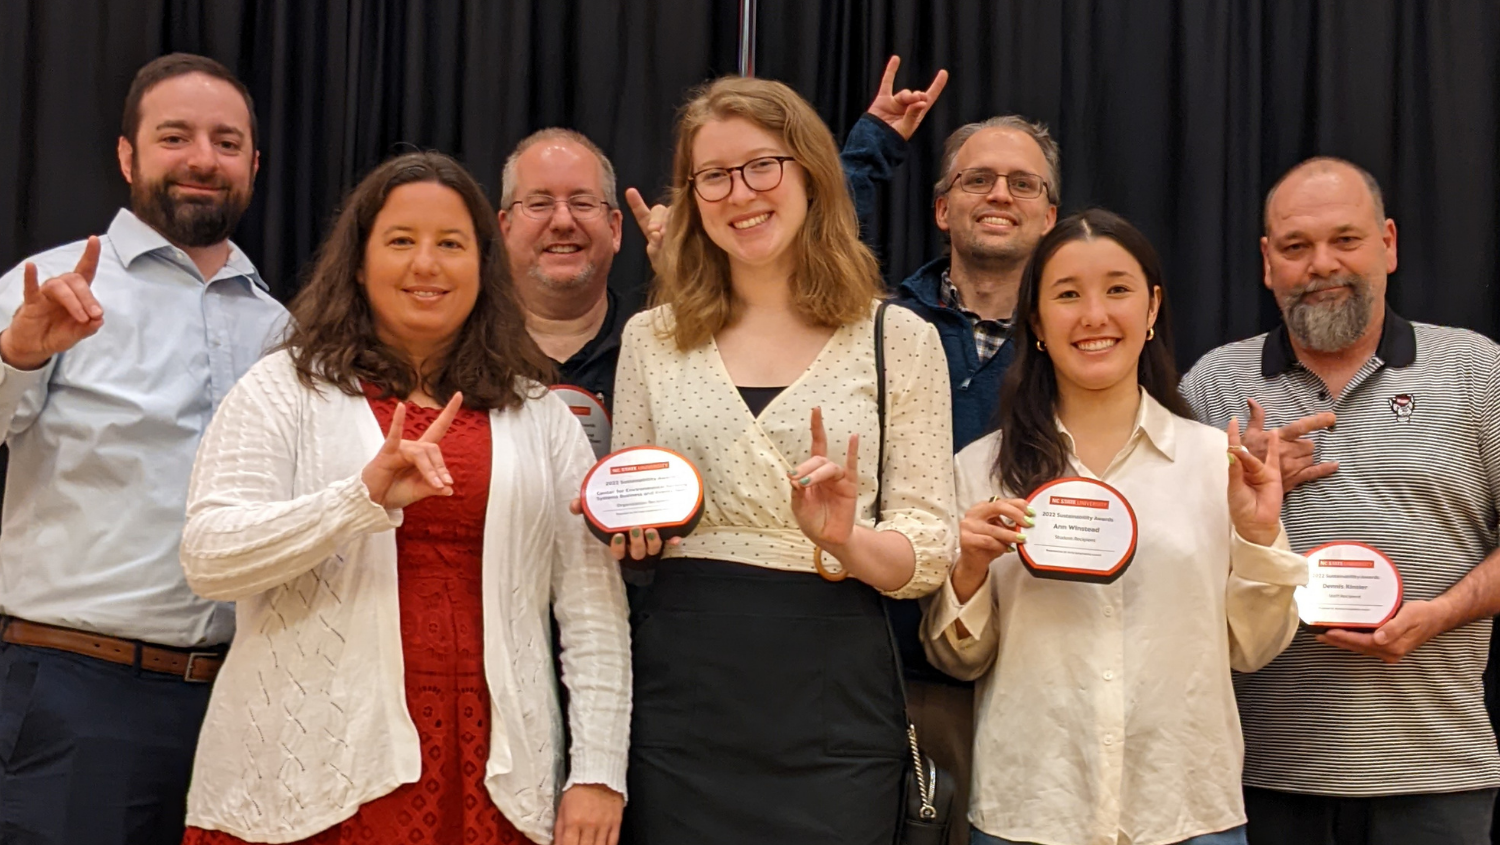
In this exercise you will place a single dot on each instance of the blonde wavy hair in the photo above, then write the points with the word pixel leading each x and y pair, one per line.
pixel 837 277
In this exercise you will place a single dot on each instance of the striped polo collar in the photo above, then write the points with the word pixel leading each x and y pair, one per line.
pixel 1398 346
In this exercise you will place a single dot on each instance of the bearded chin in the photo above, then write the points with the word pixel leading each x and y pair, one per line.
pixel 1330 326
pixel 196 223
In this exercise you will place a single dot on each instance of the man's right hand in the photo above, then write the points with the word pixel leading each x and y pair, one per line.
pixel 903 110
pixel 653 222
pixel 1298 464
pixel 54 315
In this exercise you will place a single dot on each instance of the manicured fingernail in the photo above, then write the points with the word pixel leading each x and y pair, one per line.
pixel 1030 523
pixel 651 535
pixel 806 480
pixel 619 540
pixel 1231 459
pixel 635 532
pixel 1020 538
pixel 1030 511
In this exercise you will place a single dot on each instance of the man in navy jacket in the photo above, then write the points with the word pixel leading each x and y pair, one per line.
pixel 998 194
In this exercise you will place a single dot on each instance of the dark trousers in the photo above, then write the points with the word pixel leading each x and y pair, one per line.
pixel 1434 818
pixel 91 752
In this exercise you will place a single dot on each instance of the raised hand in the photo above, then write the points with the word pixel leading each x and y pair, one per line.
pixel 824 493
pixel 407 471
pixel 1298 466
pixel 653 222
pixel 55 314
pixel 1254 489
pixel 903 110
pixel 987 531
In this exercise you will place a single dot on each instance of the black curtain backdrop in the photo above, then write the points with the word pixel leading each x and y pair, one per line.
pixel 1180 115
pixel 340 85
pixel 1177 114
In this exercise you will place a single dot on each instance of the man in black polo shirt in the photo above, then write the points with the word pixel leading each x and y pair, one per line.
pixel 562 225
pixel 1371 737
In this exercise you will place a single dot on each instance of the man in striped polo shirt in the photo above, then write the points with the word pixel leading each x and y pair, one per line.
pixel 1373 737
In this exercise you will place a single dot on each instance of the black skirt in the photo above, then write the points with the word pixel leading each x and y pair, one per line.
pixel 766 710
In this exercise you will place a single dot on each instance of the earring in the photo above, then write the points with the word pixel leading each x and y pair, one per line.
pixel 1041 347
pixel 1151 332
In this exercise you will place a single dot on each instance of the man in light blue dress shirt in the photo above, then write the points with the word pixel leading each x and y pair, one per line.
pixel 114 354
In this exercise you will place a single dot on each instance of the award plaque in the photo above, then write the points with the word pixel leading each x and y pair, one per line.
pixel 1349 585
pixel 1084 531
pixel 642 487
pixel 590 413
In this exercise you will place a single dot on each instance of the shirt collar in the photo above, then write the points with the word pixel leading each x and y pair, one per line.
pixel 133 238
pixel 951 296
pixel 1397 348
pixel 1152 421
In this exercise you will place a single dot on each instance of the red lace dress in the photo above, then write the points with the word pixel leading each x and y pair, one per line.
pixel 438 550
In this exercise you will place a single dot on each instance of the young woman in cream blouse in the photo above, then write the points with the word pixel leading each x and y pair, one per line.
pixel 1106 712
pixel 386 500
pixel 766 706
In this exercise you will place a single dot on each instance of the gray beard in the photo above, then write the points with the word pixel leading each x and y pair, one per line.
pixel 1331 326
pixel 577 282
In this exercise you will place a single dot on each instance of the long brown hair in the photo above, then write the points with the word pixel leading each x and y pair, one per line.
pixel 1032 451
pixel 837 277
pixel 333 340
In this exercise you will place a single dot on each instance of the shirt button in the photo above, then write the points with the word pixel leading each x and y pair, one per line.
pixel 1109 675
pixel 1109 611
pixel 1109 739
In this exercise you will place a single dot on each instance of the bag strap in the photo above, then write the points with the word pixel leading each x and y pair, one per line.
pixel 880 400
pixel 926 775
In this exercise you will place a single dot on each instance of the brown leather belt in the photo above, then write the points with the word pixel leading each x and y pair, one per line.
pixel 199 667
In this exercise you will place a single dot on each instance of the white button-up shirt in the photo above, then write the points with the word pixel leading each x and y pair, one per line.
pixel 1106 712
pixel 102 438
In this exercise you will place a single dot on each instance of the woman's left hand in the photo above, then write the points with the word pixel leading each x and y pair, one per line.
pixel 1254 489
pixel 824 493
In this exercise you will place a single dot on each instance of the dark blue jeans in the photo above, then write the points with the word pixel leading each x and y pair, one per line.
pixel 91 752
pixel 1233 836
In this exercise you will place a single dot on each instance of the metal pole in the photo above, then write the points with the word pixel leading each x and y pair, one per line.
pixel 747 37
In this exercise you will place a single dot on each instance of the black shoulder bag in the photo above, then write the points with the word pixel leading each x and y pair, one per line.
pixel 926 808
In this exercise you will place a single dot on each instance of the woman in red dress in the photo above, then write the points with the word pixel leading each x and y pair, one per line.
pixel 324 728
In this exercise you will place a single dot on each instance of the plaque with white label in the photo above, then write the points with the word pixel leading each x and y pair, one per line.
pixel 590 413
pixel 642 487
pixel 1349 585
pixel 1085 531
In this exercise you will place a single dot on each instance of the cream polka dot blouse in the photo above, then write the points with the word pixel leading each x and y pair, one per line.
pixel 685 401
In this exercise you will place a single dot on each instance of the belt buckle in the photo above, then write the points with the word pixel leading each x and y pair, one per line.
pixel 187 672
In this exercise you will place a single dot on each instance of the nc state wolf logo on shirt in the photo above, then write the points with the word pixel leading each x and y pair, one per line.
pixel 1402 405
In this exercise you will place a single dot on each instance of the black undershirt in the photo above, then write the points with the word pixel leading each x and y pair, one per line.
pixel 757 398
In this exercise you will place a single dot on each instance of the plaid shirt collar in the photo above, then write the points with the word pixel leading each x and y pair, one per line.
pixel 989 335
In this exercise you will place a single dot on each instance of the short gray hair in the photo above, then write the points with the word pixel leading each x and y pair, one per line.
pixel 1035 131
pixel 555 133
pixel 1325 163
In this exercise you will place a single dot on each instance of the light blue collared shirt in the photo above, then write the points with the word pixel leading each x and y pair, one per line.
pixel 102 438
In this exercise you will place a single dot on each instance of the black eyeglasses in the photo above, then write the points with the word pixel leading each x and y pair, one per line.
pixel 759 175
pixel 541 206
pixel 980 180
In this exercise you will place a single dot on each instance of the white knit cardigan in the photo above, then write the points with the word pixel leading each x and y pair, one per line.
pixel 308 718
